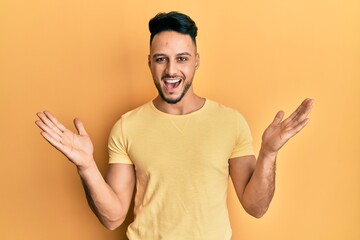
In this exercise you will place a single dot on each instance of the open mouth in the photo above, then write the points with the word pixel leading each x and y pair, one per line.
pixel 171 84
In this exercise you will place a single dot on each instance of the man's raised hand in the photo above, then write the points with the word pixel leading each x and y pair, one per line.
pixel 78 148
pixel 279 132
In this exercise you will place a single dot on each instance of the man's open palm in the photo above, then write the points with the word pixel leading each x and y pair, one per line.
pixel 78 148
pixel 279 132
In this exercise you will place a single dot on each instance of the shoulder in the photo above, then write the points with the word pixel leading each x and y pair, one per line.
pixel 226 113
pixel 136 112
pixel 133 116
pixel 217 107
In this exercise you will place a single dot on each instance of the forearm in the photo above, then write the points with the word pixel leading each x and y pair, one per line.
pixel 109 202
pixel 261 187
pixel 101 198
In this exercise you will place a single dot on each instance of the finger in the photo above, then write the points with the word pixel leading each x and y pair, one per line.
pixel 48 130
pixel 299 108
pixel 55 121
pixel 45 119
pixel 304 111
pixel 55 143
pixel 306 107
pixel 80 127
pixel 300 126
pixel 300 113
pixel 278 117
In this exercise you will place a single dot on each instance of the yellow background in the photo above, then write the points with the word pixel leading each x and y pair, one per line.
pixel 89 59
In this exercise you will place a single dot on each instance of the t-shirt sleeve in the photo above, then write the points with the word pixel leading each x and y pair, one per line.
pixel 243 146
pixel 117 145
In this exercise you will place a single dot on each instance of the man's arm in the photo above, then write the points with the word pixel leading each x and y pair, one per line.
pixel 109 199
pixel 254 180
pixel 254 183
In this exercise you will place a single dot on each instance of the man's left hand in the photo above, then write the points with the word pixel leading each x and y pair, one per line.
pixel 279 132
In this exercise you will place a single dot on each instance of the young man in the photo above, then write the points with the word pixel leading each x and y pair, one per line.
pixel 178 149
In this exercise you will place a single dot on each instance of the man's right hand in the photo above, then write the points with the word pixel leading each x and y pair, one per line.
pixel 78 148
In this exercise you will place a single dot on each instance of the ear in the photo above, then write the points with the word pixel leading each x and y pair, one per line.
pixel 149 62
pixel 197 61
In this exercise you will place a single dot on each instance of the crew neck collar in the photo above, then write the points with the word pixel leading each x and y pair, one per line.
pixel 202 108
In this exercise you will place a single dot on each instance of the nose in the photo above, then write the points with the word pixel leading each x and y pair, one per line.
pixel 171 68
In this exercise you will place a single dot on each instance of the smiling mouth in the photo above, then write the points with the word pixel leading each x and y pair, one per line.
pixel 172 84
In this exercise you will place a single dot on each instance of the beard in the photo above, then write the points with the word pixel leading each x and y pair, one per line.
pixel 172 101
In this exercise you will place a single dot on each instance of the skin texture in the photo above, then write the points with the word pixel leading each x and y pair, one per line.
pixel 109 198
pixel 173 56
pixel 254 180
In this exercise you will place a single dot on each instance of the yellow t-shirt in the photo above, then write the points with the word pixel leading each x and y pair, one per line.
pixel 182 172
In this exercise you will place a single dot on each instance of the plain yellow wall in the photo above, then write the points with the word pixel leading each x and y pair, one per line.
pixel 89 59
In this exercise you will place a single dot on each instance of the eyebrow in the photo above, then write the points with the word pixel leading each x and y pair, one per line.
pixel 179 54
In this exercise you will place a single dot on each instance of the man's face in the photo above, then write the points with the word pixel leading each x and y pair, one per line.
pixel 173 61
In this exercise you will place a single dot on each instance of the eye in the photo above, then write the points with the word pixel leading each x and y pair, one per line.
pixel 182 59
pixel 160 59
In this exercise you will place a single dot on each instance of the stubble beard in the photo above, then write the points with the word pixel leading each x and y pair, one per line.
pixel 176 100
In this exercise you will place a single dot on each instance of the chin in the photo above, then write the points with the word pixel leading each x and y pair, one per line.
pixel 172 101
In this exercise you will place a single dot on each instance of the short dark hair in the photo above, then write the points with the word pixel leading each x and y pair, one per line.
pixel 173 21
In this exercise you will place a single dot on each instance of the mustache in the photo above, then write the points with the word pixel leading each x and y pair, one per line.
pixel 170 76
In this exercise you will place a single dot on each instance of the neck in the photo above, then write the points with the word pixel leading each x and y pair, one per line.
pixel 187 105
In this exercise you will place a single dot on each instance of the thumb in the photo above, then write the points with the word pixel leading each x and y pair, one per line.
pixel 278 118
pixel 80 127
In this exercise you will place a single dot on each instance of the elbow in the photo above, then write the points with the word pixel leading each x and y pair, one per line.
pixel 256 207
pixel 112 224
pixel 111 227
pixel 256 212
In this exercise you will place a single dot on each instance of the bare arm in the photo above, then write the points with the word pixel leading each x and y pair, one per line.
pixel 254 181
pixel 110 199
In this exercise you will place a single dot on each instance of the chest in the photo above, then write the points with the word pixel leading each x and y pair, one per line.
pixel 182 146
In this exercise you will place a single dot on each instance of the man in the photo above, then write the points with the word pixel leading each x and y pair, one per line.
pixel 178 149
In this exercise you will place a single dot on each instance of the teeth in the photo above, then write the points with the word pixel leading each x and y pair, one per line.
pixel 172 81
